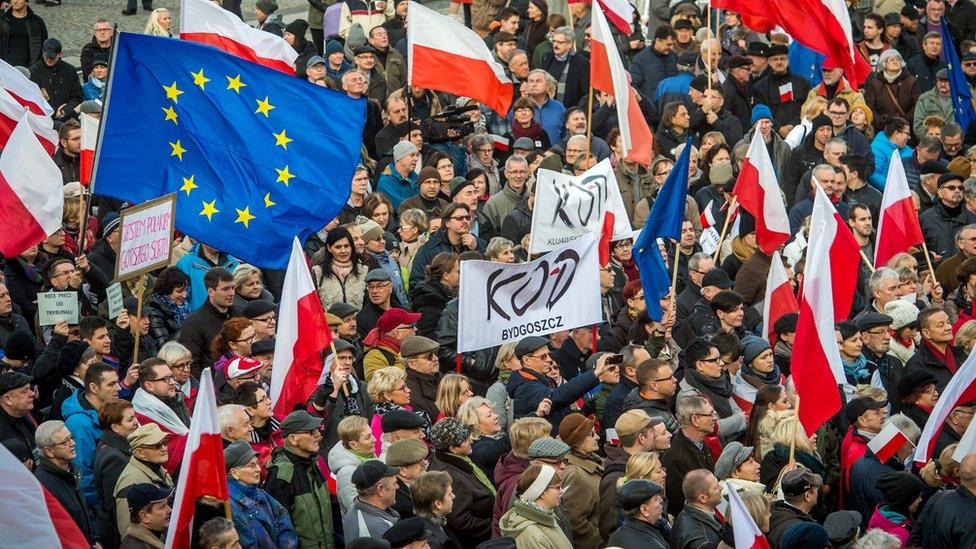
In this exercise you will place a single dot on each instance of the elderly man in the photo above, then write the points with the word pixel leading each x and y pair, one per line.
pixel 399 180
pixel 862 494
pixel 945 274
pixel 503 203
pixel 781 90
pixel 146 465
pixel 575 124
pixel 947 521
pixel 419 357
pixel 801 490
pixel 56 474
pixel 936 354
pixel 570 69
pixel 549 112
pixel 16 402
pixel 372 513
pixel 935 101
pixel 10 321
pixel 698 525
pixel 688 452
pixel 150 505
pixel 235 424
pixel 642 504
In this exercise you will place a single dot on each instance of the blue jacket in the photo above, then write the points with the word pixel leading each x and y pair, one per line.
pixel 82 420
pixel 550 115
pixel 91 91
pixel 649 67
pixel 527 389
pixel 195 267
pixel 674 88
pixel 261 522
pixel 395 187
pixel 882 147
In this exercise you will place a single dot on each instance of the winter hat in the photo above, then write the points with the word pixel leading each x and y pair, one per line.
pixel 752 347
pixel 110 223
pixel 868 114
pixel 428 172
pixel 20 346
pixel 912 380
pixel 733 455
pixel 818 121
pixel 546 448
pixel 786 324
pixel 332 47
pixel 458 184
pixel 70 356
pixel 371 229
pixel 760 112
pixel 551 162
pixel 902 313
pixel 574 428
pixel 543 7
pixel 298 28
pixel 448 432
pixel 699 83
pixel 403 148
pixel 960 166
pixel 267 6
pixel 900 489
pixel 804 535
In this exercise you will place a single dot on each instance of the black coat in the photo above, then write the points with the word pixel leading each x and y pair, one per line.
pixel 570 359
pixel 470 519
pixel 653 408
pixel 787 112
pixel 947 521
pixel 103 256
pixel 683 457
pixel 939 227
pixel 36 35
pixel 801 160
pixel 12 323
pixel 24 287
pixel 739 100
pixel 923 359
pixel 696 529
pixel 88 53
pixel 63 485
pixel 22 428
pixel 636 534
pixel 518 223
pixel 577 76
pixel 862 496
pixel 924 70
pixel 62 85
pixel 199 329
pixel 781 518
pixel 111 457
pixel 614 405
pixel 429 299
pixel 163 325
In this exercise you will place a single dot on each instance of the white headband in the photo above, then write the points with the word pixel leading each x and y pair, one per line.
pixel 539 485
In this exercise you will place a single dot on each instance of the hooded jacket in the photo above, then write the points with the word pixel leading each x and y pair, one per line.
pixel 81 418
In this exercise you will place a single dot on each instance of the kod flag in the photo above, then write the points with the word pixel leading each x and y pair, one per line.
pixel 501 302
pixel 567 207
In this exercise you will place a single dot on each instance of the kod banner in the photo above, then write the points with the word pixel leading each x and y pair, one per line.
pixel 501 302
pixel 567 207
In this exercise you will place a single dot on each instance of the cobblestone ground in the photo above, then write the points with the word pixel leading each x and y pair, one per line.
pixel 72 21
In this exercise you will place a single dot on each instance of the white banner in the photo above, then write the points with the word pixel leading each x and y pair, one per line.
pixel 567 207
pixel 501 302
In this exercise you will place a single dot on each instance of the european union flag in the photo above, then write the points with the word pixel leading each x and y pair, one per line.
pixel 665 220
pixel 255 156
pixel 806 63
pixel 962 96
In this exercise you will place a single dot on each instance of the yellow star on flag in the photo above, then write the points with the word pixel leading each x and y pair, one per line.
pixel 284 176
pixel 178 149
pixel 170 114
pixel 282 139
pixel 188 185
pixel 264 107
pixel 244 216
pixel 172 92
pixel 199 79
pixel 267 201
pixel 235 83
pixel 209 209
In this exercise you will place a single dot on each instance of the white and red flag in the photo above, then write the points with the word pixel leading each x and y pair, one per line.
pixel 898 227
pixel 89 137
pixel 23 90
pixel 12 111
pixel 202 473
pixel 758 193
pixel 816 363
pixel 607 74
pixel 960 390
pixel 303 332
pixel 779 298
pixel 207 23
pixel 887 443
pixel 446 56
pixel 745 531
pixel 620 13
pixel 31 196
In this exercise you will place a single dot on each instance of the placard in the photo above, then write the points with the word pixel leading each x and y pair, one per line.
pixel 114 292
pixel 53 307
pixel 145 237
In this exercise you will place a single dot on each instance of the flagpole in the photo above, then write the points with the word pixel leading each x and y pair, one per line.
pixel 674 273
pixel 725 227
pixel 708 25
pixel 928 259
pixel 867 261
pixel 589 122
pixel 796 429
pixel 140 288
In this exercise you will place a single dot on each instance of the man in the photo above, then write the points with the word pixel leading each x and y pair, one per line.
pixel 453 236
pixel 365 62
pixel 101 41
pixel 969 67
pixel 354 84
pixel 758 54
pixel 261 313
pixel 503 203
pixel 738 92
pixel 295 480
pixel 633 357
pixel 10 321
pixel 548 111
pixel 862 494
pixel 876 336
pixel 150 510
pixel 656 386
pixel 926 64
pixel 518 68
pixel 702 320
pixel 859 220
pixel 235 424
pixel 428 197
pixel 410 457
pixel 398 180
pixel 22 32
pixel 348 329
pixel 709 61
pixel 381 298
pixel 927 152
pixel 952 142
pixel 801 489
pixel 873 44
pixel 68 155
pixel 866 417
pixel 16 402
pixel 642 504
pixel 808 155
pixel 382 344
pixel 947 519
pixel 59 79
pixel 833 84
pixel 838 110
pixel 636 432
pixel 394 129
pixel 943 220
pixel 195 264
pixel 711 115
pixel 56 474
pixel 570 69
pixel 80 413
pixel 688 452
pixel 956 424
pixel 157 401
pixel 359 186
pixel 858 189
pixel 372 513
pixel 945 274
pixel 655 62
pixel 883 288
pixel 699 264
pixel 571 357
pixel 419 357
pixel 203 324
pixel 698 524
pixel 389 61
pixel 526 433
pixel 936 101
pixel 827 177
pixel 19 351
pixel 433 500
pixel 936 354
pixel 219 533
pixel 503 46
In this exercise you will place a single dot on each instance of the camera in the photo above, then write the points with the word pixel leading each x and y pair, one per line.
pixel 437 128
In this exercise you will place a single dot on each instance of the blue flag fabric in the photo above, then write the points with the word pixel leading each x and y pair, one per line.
pixel 255 156
pixel 806 63
pixel 962 96
pixel 665 220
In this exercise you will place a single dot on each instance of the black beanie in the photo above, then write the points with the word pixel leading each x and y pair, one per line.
pixel 70 357
pixel 297 27
pixel 747 223
pixel 819 120
pixel 20 346
pixel 900 490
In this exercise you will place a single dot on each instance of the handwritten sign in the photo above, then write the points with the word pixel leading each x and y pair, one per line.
pixel 146 237
pixel 114 300
pixel 53 307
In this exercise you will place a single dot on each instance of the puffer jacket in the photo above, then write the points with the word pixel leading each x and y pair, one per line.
pixel 527 389
pixel 533 528
pixel 343 463
pixel 82 420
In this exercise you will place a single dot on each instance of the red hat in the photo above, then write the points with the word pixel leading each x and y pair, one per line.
pixel 829 64
pixel 394 317
pixel 242 366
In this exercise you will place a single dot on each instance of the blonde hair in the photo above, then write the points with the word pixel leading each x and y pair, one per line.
pixel 449 393
pixel 901 259
pixel 872 392
pixel 640 466
pixel 758 507
pixel 966 334
pixel 153 28
pixel 945 466
pixel 505 353
pixel 243 272
pixel 383 381
pixel 72 207
pixel 173 352
pixel 468 413
pixel 350 429
pixel 781 426
pixel 524 431
pixel 812 107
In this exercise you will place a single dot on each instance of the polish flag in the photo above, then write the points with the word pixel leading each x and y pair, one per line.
pixel 706 218
pixel 89 136
pixel 500 143
pixel 816 365
pixel 620 13
pixel 746 533
pixel 758 192
pixel 202 473
pixel 779 298
pixel 744 395
pixel 303 332
pixel 446 56
pixel 11 111
pixel 31 198
pixel 23 90
pixel 887 443
pixel 898 227
pixel 606 236
pixel 960 390
pixel 608 75
pixel 786 92
pixel 207 23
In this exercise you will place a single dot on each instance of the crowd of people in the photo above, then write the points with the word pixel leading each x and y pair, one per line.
pixel 630 433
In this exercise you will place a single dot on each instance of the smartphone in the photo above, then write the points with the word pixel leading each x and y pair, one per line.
pixel 616 359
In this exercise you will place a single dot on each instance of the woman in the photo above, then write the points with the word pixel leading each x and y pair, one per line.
pixel 634 305
pixel 499 250
pixel 482 186
pixel 167 307
pixel 356 445
pixel 709 379
pixel 118 421
pixel 532 517
pixel 810 109
pixel 621 253
pixel 758 370
pixel 179 358
pixel 159 23
pixel 388 390
pixel 70 224
pixel 490 442
pixel 234 340
pixel 965 337
pixel 942 473
pixel 961 299
pixel 904 330
pixel 413 235
pixel 260 521
pixel 536 28
pixel 379 208
pixel 849 343
pixel 382 258
pixel 445 171
pixel 644 466
pixel 524 124
pixel 758 507
pixel 266 434
pixel 862 119
pixel 24 276
pixel 768 398
pixel 249 286
pixel 481 156
pixel 53 246
pixel 785 433
pixel 452 391
pixel 673 130
pixel 505 362
pixel 902 493
pixel 737 466
pixel 917 394
pixel 708 141
pixel 340 274
pixel 717 172
pixel 470 519
pixel 891 90
pixel 582 479
pixel 431 296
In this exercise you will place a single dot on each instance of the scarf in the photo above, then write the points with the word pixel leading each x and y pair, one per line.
pixel 810 461
pixel 479 474
pixel 890 78
pixel 375 339
pixel 717 390
pixel 503 376
pixel 158 411
pixel 857 371
pixel 341 269
pixel 179 312
pixel 948 357
pixel 362 456
pixel 759 379
pixel 533 131
pixel 742 250
pixel 32 271
pixel 783 349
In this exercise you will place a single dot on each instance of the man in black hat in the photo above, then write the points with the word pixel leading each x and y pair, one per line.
pixel 739 97
pixel 969 67
pixel 59 79
pixel 365 61
pixel 19 351
pixel 783 92
pixel 411 533
pixel 149 513
pixel 263 317
pixel 702 319
pixel 642 504
pixel 685 42
pixel 503 45
pixel 758 53
pixel 866 417
pixel 801 490
pixel 943 220
pixel 16 403
pixel 372 512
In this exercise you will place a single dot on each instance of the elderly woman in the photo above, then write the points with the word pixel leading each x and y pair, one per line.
pixel 891 90
pixel 440 285
pixel 356 445
pixel 248 286
pixel 260 521
pixel 532 518
pixel 266 434
pixel 474 492
pixel 904 327
pixel 918 395
pixel 490 442
pixel 582 479
pixel 179 359
pixel 758 370
pixel 388 390
pixel 167 307
pixel 786 432
pixel 499 250
pixel 452 391
pixel 505 362
pixel 738 466
pixel 481 157
pixel 413 235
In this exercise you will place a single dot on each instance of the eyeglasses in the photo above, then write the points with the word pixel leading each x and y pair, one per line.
pixel 245 340
pixel 486 150
pixel 462 218
pixel 709 414
pixel 543 356
pixel 555 462
pixel 669 378
pixel 378 287
pixel 62 273
pixel 267 319
pixel 68 440
pixel 167 379
pixel 410 327
pixel 185 365
pixel 837 113
pixel 953 187
pixel 158 446
pixel 712 360
pixel 400 388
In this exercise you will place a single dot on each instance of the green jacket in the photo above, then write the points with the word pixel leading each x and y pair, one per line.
pixel 532 529
pixel 304 493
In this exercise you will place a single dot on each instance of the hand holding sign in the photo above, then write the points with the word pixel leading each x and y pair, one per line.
pixel 53 307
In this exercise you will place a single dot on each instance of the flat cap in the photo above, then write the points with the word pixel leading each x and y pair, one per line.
pixel 417 345
pixel 529 345
pixel 139 496
pixel 733 455
pixel 398 419
pixel 635 493
pixel 872 319
pixel 257 308
pixel 342 310
pixel 738 62
pixel 11 380
pixel 842 527
pixel 408 451
pixel 857 406
pixel 717 277
pixel 914 379
pixel 238 454
pixel 800 480
pixel 147 434
pixel 406 531
pixel 524 143
pixel 547 447
pixel 263 346
pixel 298 421
pixel 502 36
pixel 378 275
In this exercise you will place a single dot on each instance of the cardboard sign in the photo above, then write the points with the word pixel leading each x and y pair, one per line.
pixel 53 307
pixel 146 237
pixel 114 300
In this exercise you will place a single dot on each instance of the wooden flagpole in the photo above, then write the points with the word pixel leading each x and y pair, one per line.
pixel 725 227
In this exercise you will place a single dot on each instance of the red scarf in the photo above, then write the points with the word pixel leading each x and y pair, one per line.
pixel 948 357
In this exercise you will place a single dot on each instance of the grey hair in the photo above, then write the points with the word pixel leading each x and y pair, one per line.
pixel 695 260
pixel 836 141
pixel 577 137
pixel 970 227
pixel 906 426
pixel 877 539
pixel 415 217
pixel 567 33
pixel 497 245
pixel 689 406
pixel 480 140
pixel 545 74
pixel 879 276
pixel 512 160
pixel 44 435
pixel 628 354
pixel 517 53
pixel 213 531
pixel 822 167
pixel 227 413
pixel 173 352
pixel 969 188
